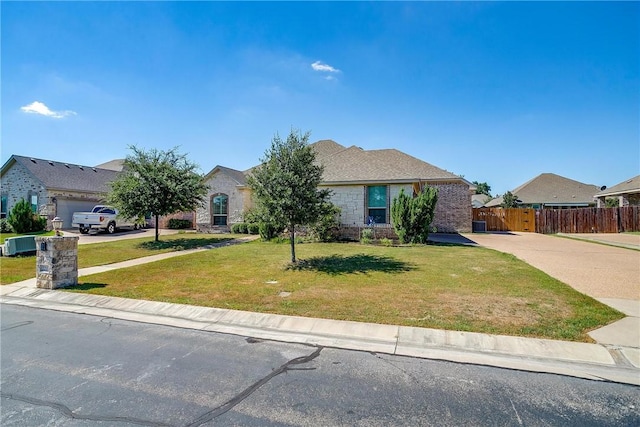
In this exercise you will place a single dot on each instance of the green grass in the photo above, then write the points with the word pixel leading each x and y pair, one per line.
pixel 4 236
pixel 445 287
pixel 15 269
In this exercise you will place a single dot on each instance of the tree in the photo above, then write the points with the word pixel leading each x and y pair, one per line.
pixel 509 200
pixel 412 217
pixel 285 185
pixel 23 220
pixel 482 188
pixel 157 182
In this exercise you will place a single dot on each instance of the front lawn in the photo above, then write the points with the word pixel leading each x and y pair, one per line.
pixel 445 287
pixel 18 268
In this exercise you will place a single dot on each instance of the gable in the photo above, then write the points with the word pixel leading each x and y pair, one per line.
pixel 64 176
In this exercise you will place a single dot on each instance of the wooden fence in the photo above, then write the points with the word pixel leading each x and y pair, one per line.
pixel 588 220
pixel 498 219
pixel 550 221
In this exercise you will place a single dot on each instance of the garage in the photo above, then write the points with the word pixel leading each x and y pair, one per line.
pixel 66 207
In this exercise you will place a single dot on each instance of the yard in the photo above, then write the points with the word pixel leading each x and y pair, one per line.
pixel 435 286
pixel 15 269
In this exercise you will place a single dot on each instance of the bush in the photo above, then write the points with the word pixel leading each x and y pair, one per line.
pixel 176 224
pixel 267 230
pixel 386 242
pixel 253 228
pixel 23 220
pixel 327 227
pixel 412 216
pixel 239 228
pixel 366 236
pixel 5 227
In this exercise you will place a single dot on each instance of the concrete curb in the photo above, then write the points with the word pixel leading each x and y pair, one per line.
pixel 583 360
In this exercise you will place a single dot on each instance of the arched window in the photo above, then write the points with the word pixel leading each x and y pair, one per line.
pixel 219 209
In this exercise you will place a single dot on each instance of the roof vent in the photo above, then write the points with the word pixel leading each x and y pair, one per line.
pixel 94 169
pixel 67 165
pixel 81 168
pixel 33 160
pixel 50 162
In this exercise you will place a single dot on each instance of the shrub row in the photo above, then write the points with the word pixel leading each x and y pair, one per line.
pixel 177 224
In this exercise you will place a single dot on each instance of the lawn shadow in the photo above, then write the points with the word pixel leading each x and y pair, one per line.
pixel 86 286
pixel 361 263
pixel 182 244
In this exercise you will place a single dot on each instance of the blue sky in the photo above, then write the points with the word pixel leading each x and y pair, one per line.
pixel 496 92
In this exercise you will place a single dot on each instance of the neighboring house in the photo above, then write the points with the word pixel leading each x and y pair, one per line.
pixel 478 200
pixel 363 184
pixel 553 191
pixel 52 188
pixel 627 192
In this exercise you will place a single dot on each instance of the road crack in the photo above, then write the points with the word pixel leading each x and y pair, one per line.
pixel 230 404
pixel 65 411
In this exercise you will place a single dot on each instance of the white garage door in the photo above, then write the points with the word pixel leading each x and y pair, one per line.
pixel 66 208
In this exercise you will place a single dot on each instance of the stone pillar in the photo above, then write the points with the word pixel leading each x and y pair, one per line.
pixel 56 262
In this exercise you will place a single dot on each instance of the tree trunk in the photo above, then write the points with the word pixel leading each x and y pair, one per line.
pixel 293 243
pixel 157 227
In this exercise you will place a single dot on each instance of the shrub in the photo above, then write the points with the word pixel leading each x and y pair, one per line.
pixel 386 242
pixel 366 236
pixel 23 220
pixel 176 224
pixel 326 228
pixel 267 230
pixel 412 216
pixel 238 227
pixel 253 228
pixel 5 227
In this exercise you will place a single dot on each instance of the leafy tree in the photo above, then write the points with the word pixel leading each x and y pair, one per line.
pixel 157 182
pixel 285 185
pixel 482 188
pixel 509 200
pixel 412 217
pixel 611 202
pixel 23 220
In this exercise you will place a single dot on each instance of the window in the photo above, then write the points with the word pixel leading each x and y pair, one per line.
pixel 219 209
pixel 34 202
pixel 377 204
pixel 3 206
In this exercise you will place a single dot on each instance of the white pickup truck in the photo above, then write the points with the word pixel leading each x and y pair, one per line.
pixel 101 217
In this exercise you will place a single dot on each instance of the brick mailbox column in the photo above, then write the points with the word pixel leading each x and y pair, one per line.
pixel 56 262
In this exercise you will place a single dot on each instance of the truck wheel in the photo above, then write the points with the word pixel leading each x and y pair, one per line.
pixel 111 228
pixel 84 230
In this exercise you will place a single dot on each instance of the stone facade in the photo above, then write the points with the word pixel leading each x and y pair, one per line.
pixel 56 262
pixel 18 183
pixel 239 201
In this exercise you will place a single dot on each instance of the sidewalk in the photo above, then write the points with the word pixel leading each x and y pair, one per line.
pixel 592 361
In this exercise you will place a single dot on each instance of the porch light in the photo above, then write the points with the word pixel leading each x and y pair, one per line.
pixel 57 225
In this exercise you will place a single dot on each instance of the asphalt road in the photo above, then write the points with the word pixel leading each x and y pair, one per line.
pixel 67 369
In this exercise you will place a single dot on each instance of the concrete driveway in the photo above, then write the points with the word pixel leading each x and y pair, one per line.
pixel 599 271
pixel 607 273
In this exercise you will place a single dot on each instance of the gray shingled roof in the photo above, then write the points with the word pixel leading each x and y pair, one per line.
pixel 238 176
pixel 552 189
pixel 65 176
pixel 353 164
pixel 357 165
pixel 629 186
pixel 114 165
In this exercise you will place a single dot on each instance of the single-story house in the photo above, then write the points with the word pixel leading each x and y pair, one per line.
pixel 363 184
pixel 52 188
pixel 552 191
pixel 627 192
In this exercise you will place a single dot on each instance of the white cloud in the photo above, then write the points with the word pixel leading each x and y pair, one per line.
pixel 319 66
pixel 38 107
